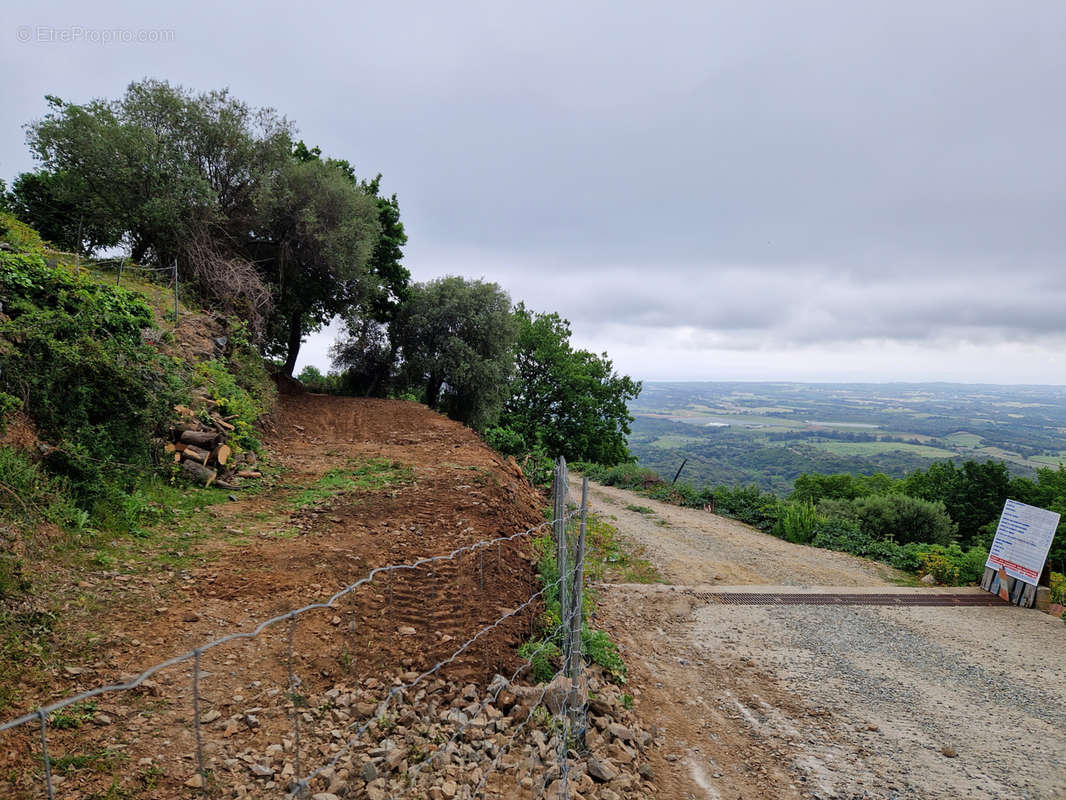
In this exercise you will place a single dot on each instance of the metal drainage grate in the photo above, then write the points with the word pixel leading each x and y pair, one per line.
pixel 810 599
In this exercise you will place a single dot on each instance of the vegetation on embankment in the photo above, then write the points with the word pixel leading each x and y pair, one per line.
pixel 90 373
pixel 604 555
pixel 938 522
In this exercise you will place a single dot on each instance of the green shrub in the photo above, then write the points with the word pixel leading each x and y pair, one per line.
pixel 797 522
pixel 1058 588
pixel 73 350
pixel 894 517
pixel 624 476
pixel 505 440
pixel 748 504
pixel 543 655
pixel 232 399
pixel 952 566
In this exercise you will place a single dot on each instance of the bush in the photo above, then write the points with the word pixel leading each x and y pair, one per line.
pixel 748 504
pixel 797 523
pixel 952 566
pixel 72 350
pixel 624 476
pixel 1058 588
pixel 505 440
pixel 894 517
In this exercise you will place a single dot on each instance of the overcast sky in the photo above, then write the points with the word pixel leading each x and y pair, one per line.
pixel 707 190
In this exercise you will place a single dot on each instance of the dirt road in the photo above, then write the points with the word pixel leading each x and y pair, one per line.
pixel 814 701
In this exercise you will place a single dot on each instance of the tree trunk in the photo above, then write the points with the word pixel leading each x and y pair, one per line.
pixel 433 390
pixel 294 344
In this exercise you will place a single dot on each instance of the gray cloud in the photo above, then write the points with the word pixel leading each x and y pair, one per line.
pixel 753 177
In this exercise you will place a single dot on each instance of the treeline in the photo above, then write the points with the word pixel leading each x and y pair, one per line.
pixel 938 521
pixel 266 229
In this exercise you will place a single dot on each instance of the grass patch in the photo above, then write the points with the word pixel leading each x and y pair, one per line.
pixel 371 475
pixel 608 558
pixel 640 509
pixel 74 716
pixel 102 760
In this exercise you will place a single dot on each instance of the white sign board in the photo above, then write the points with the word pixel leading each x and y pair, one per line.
pixel 1022 541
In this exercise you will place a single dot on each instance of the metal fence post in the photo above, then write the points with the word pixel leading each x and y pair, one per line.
pixel 175 292
pixel 559 517
pixel 577 664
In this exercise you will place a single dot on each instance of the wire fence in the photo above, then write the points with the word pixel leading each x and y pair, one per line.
pixel 561 697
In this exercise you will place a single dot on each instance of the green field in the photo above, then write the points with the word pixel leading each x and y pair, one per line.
pixel 963 439
pixel 874 448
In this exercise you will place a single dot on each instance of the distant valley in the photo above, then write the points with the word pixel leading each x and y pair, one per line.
pixel 769 433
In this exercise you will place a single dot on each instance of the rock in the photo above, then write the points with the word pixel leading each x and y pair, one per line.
pixel 602 771
pixel 210 716
pixel 369 772
pixel 192 616
pixel 73 671
pixel 195 782
pixel 324 796
pixel 449 788
pixel 262 771
pixel 620 732
pixel 406 630
pixel 646 772
pixel 928 579
pixel 949 751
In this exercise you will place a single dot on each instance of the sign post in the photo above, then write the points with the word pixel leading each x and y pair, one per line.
pixel 1018 552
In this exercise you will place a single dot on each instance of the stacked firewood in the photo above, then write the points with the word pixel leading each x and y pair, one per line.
pixel 201 449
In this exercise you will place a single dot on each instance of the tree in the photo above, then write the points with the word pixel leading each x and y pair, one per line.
pixel 569 401
pixel 973 494
pixel 62 210
pixel 317 233
pixel 455 340
pixel 159 162
pixel 365 356
pixel 382 297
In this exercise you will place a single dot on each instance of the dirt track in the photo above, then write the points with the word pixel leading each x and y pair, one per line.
pixel 819 701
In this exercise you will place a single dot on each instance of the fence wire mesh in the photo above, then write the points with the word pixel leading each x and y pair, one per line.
pixel 567 710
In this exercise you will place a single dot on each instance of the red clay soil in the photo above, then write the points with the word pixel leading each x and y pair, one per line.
pixel 461 492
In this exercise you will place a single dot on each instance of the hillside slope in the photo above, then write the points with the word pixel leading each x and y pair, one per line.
pixel 355 484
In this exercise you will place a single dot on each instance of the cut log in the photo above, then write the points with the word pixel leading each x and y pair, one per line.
pixel 221 423
pixel 222 454
pixel 169 448
pixel 200 438
pixel 177 458
pixel 200 472
pixel 191 453
pixel 184 411
pixel 227 485
pixel 249 473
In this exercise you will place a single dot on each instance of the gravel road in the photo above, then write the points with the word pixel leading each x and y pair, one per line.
pixel 813 701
